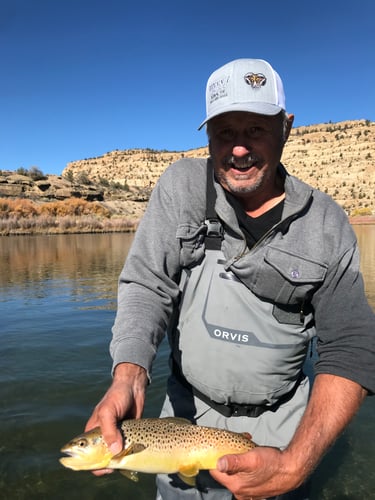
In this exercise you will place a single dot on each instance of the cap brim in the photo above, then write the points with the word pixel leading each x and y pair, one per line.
pixel 259 108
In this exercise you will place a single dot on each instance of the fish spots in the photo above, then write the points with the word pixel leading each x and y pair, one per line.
pixel 157 445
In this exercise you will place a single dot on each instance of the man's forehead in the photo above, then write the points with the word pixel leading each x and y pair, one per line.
pixel 240 117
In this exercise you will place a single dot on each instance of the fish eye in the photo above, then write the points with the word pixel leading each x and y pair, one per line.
pixel 82 443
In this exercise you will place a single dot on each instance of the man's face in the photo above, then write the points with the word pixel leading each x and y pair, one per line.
pixel 246 149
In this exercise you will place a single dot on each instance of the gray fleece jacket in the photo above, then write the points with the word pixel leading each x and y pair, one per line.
pixel 307 264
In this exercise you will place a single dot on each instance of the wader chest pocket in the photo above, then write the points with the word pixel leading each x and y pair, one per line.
pixel 191 239
pixel 287 278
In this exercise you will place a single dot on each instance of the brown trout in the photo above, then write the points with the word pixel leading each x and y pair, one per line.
pixel 158 446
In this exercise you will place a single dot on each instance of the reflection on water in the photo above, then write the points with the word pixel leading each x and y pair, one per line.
pixel 366 241
pixel 78 261
pixel 57 305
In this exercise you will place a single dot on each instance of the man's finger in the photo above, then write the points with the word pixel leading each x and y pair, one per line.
pixel 231 464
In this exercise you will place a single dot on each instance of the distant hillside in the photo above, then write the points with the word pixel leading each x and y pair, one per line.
pixel 111 192
pixel 338 158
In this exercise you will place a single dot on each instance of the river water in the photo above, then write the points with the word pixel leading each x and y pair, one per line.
pixel 57 305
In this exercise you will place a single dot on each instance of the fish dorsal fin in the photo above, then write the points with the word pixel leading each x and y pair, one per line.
pixel 178 420
pixel 247 435
pixel 250 438
pixel 130 474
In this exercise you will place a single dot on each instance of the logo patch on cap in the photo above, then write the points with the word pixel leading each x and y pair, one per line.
pixel 255 80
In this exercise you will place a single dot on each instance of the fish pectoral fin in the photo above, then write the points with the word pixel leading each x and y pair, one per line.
pixel 130 474
pixel 130 450
pixel 116 460
pixel 136 448
pixel 187 474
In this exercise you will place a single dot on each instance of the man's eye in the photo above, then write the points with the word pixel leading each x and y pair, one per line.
pixel 225 134
pixel 254 131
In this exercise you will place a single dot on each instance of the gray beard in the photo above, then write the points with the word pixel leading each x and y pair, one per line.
pixel 234 188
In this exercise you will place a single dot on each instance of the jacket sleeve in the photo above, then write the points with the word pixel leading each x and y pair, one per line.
pixel 345 323
pixel 148 285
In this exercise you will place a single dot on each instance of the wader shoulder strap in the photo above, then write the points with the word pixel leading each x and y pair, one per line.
pixel 214 235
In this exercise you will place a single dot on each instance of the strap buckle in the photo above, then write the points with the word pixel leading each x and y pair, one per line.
pixel 214 228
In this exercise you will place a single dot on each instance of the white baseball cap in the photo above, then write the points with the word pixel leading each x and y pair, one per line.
pixel 250 85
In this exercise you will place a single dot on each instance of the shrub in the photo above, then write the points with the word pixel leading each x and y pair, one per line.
pixel 36 174
pixel 69 176
pixel 18 207
pixel 83 178
pixel 362 211
pixel 22 171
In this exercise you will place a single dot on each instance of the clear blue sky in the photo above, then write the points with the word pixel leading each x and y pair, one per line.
pixel 80 78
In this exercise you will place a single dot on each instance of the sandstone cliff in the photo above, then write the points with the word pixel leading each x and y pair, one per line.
pixel 338 158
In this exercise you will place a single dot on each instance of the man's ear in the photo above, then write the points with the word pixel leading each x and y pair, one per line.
pixel 288 126
pixel 209 148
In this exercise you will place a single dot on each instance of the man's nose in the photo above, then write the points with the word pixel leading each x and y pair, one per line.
pixel 240 151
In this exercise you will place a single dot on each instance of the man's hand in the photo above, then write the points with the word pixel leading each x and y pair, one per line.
pixel 258 474
pixel 124 398
pixel 264 471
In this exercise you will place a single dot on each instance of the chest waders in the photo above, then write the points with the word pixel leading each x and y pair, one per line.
pixel 227 344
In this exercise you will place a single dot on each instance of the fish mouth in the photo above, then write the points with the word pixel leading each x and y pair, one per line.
pixel 78 463
pixel 70 462
pixel 76 460
pixel 71 453
pixel 77 454
pixel 73 460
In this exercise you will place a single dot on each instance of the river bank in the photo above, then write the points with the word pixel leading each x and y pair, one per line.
pixel 77 216
pixel 68 225
pixel 87 224
pixel 362 219
pixel 71 216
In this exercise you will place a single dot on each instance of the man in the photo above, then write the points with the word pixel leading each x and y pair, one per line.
pixel 244 264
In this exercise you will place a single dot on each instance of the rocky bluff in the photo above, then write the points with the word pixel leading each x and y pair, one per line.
pixel 337 158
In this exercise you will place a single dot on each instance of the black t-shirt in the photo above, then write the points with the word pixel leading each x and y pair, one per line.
pixel 255 227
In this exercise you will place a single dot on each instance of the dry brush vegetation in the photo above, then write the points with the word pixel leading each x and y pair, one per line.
pixel 22 216
pixel 337 158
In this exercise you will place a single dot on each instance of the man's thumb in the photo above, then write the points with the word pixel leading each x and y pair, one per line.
pixel 114 440
pixel 231 464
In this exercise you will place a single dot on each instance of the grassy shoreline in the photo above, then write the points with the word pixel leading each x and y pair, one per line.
pixel 25 217
pixel 91 225
pixel 79 225
pixel 74 215
pixel 362 219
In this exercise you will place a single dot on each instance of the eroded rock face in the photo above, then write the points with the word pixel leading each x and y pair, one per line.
pixel 53 187
pixel 11 190
pixel 337 158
